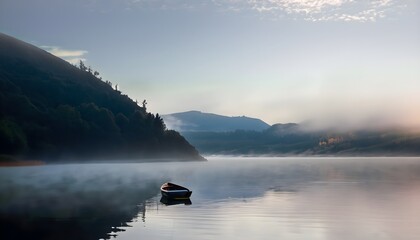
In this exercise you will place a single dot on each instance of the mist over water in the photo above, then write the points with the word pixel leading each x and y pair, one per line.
pixel 73 201
pixel 233 198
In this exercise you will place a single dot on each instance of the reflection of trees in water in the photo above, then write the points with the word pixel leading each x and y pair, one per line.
pixel 30 212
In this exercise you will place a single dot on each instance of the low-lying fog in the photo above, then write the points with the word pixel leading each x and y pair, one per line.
pixel 86 201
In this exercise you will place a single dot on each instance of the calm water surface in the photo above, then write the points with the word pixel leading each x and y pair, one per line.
pixel 233 198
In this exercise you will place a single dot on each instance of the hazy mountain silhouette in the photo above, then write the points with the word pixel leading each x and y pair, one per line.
pixel 195 121
pixel 50 109
pixel 296 139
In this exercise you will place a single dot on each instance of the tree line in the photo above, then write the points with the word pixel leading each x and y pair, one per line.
pixel 53 116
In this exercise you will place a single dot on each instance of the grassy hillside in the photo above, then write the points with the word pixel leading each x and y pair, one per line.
pixel 50 109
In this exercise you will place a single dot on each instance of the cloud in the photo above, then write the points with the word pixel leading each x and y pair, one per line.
pixel 310 10
pixel 327 10
pixel 317 10
pixel 71 56
pixel 165 4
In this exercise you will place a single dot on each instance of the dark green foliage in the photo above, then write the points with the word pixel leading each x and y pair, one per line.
pixel 12 138
pixel 50 109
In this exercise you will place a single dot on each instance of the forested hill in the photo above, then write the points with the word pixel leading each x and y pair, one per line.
pixel 52 110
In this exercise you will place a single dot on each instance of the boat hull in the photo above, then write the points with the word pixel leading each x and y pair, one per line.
pixel 176 192
pixel 176 195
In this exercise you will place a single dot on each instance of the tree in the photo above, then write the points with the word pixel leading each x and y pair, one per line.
pixel 122 121
pixel 144 103
pixel 12 137
pixel 82 66
pixel 159 124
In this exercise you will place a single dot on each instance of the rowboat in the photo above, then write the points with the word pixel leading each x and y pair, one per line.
pixel 176 192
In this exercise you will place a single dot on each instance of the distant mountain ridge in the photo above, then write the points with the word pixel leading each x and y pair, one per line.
pixel 293 139
pixel 51 110
pixel 216 134
pixel 196 121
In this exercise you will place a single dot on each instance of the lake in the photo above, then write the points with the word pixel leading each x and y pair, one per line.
pixel 233 198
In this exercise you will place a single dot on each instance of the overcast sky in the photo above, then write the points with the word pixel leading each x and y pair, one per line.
pixel 349 61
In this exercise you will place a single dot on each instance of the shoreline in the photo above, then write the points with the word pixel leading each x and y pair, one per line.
pixel 10 161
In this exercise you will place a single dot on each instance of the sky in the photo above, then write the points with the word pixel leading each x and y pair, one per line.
pixel 337 62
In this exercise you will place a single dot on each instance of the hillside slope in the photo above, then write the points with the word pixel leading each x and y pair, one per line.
pixel 195 121
pixel 52 110
pixel 293 139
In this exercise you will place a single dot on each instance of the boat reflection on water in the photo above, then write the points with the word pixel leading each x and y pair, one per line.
pixel 169 201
